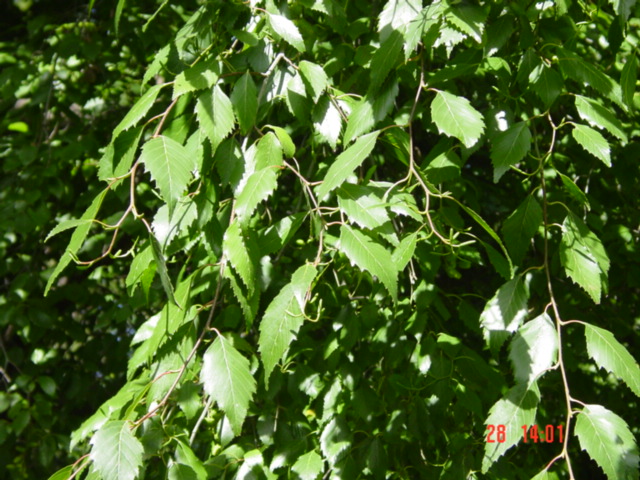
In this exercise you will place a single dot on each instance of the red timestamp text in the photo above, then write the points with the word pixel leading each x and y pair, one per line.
pixel 550 434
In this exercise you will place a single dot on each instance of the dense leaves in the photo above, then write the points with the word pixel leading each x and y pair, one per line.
pixel 319 239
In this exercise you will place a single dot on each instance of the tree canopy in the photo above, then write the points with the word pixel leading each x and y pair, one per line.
pixel 319 239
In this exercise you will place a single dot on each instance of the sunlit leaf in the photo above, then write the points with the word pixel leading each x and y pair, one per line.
pixel 593 142
pixel 116 453
pixel 455 117
pixel 534 348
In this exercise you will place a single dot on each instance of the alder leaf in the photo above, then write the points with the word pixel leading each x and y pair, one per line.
pixel 215 115
pixel 504 313
pixel 259 186
pixel 611 355
pixel 77 238
pixel 517 408
pixel 628 80
pixel 314 77
pixel 607 439
pixel 509 147
pixel 234 248
pixel 327 121
pixel 346 163
pixel 362 205
pixel 170 166
pixel 227 379
pixel 244 99
pixel 385 58
pixel 287 30
pixel 308 466
pixel 115 452
pixel 455 117
pixel 521 226
pixel 138 111
pixel 598 116
pixel 534 349
pixel 284 317
pixel 593 142
pixel 368 255
pixel 583 256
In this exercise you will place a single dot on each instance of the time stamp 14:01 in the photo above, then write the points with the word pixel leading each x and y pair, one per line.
pixel 548 434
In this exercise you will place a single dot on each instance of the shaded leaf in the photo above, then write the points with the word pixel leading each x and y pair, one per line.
pixel 583 72
pixel 517 408
pixel 521 226
pixel 404 251
pixel 200 76
pixel 385 58
pixel 607 439
pixel 284 317
pixel 116 453
pixel 346 163
pixel 611 355
pixel 138 111
pixel 504 313
pixel 455 117
pixel 575 191
pixel 245 102
pixel 628 80
pixel 509 147
pixel 370 256
pixel 534 349
pixel 227 379
pixel 583 256
pixel 161 263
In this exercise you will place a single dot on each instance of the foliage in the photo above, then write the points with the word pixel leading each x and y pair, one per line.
pixel 319 239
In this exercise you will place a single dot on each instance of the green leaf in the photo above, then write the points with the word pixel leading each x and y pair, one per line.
pixel 158 256
pixel 623 7
pixel 575 191
pixel 335 439
pixel 361 120
pixel 116 453
pixel 139 265
pixel 607 439
pixel 404 251
pixel 215 115
pixel 583 256
pixel 521 226
pixel 284 317
pixel 327 121
pixel 118 14
pixel 119 155
pixel 314 77
pixel 509 147
pixel 455 117
pixel 517 408
pixel 138 111
pixel 269 152
pixel 166 227
pixel 245 102
pixel 308 466
pixel 259 186
pixel 397 14
pixel 370 256
pixel 548 85
pixel 593 142
pixel 66 225
pixel 227 379
pixel 200 76
pixel 178 471
pixel 611 355
pixel 63 474
pixel 185 456
pixel 599 116
pixel 285 28
pixel 170 166
pixel 234 248
pixel 504 313
pixel 77 238
pixel 583 72
pixel 628 80
pixel 288 147
pixel 534 349
pixel 385 58
pixel 346 163
pixel 362 205
pixel 469 19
